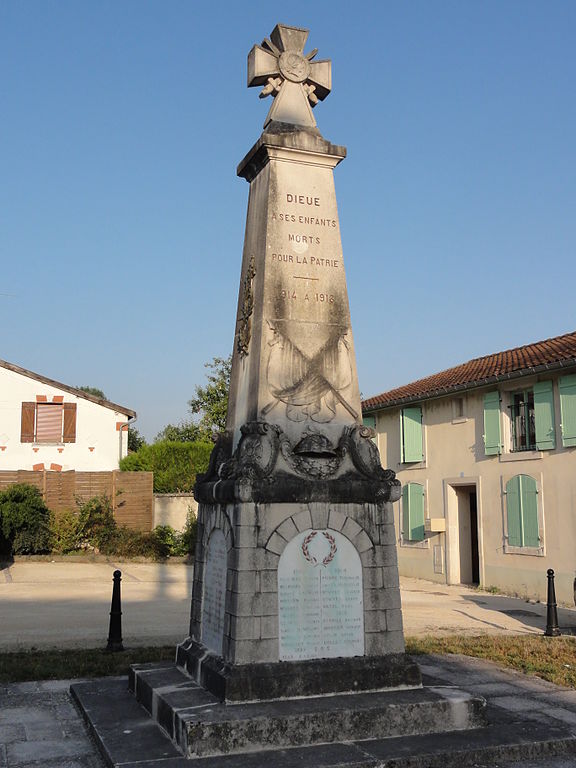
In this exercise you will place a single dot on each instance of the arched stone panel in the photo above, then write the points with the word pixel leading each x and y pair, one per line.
pixel 320 597
pixel 217 541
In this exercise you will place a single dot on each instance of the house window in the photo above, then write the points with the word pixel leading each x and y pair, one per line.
pixel 458 408
pixel 531 416
pixel 411 434
pixel 522 421
pixel 48 423
pixel 413 512
pixel 522 512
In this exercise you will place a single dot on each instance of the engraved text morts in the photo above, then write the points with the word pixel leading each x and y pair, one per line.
pixel 295 519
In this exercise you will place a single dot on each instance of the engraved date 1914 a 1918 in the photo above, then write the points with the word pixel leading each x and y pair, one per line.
pixel 319 297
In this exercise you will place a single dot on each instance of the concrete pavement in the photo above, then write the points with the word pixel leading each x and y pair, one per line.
pixel 532 724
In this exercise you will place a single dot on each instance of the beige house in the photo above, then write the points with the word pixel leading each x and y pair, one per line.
pixel 486 453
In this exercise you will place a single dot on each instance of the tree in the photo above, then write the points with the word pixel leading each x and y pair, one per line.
pixel 94 391
pixel 135 439
pixel 208 408
pixel 211 401
pixel 186 432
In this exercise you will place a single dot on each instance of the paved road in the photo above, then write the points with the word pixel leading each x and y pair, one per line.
pixel 47 604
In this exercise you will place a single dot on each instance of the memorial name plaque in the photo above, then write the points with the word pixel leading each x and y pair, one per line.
pixel 320 598
pixel 214 598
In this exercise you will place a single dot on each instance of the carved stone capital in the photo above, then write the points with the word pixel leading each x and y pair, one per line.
pixel 266 466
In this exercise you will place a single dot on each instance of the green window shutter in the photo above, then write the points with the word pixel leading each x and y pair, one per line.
pixel 492 441
pixel 522 512
pixel 529 502
pixel 567 387
pixel 405 513
pixel 514 512
pixel 411 434
pixel 544 415
pixel 413 512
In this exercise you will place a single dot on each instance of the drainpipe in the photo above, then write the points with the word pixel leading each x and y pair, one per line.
pixel 131 420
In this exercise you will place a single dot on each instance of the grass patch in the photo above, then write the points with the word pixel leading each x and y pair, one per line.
pixel 20 666
pixel 551 658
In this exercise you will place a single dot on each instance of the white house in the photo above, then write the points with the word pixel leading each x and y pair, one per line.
pixel 486 453
pixel 46 425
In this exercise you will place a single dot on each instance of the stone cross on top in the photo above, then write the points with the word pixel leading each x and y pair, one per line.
pixel 289 75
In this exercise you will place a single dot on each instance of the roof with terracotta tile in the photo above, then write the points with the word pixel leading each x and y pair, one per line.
pixel 72 390
pixel 550 354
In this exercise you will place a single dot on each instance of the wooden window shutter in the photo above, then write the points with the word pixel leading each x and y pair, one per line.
pixel 522 512
pixel 413 511
pixel 492 441
pixel 544 416
pixel 27 422
pixel 411 434
pixel 567 387
pixel 69 432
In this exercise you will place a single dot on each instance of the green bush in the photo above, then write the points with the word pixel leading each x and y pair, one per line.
pixel 24 520
pixel 28 527
pixel 96 524
pixel 166 540
pixel 187 540
pixel 65 536
pixel 175 464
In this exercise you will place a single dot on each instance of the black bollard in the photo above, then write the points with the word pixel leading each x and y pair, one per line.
pixel 115 631
pixel 552 628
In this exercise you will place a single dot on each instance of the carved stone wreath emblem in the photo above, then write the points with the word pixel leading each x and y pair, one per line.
pixel 310 557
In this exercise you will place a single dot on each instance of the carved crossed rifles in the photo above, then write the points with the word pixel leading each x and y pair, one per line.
pixel 313 367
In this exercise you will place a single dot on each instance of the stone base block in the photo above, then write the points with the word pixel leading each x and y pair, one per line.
pixel 129 738
pixel 288 679
pixel 201 726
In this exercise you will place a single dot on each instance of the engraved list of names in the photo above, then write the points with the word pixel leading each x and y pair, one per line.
pixel 213 603
pixel 320 598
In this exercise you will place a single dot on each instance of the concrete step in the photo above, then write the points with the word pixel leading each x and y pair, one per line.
pixel 202 726
pixel 128 737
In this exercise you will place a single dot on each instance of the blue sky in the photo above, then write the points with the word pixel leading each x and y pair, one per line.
pixel 122 220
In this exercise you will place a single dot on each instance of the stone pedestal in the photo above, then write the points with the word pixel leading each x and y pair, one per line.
pixel 307 600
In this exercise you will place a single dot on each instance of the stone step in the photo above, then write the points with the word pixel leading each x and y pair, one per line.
pixel 129 738
pixel 202 726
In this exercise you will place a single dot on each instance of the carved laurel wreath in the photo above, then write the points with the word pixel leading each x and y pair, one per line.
pixel 329 557
pixel 245 329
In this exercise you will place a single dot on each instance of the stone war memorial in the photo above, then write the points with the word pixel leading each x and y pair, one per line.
pixel 295 634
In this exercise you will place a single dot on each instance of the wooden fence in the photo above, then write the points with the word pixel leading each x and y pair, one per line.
pixel 131 493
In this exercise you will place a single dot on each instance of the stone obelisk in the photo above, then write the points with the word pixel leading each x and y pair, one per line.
pixel 296 584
